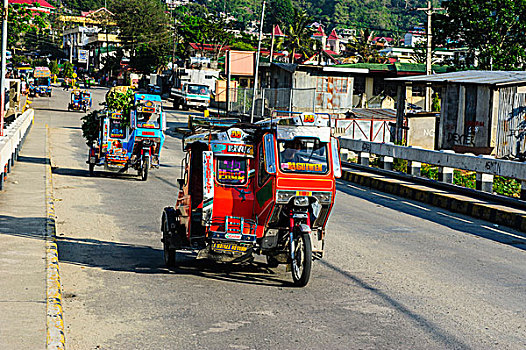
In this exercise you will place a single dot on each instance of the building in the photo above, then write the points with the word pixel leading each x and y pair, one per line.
pixel 305 88
pixel 482 112
pixel 94 31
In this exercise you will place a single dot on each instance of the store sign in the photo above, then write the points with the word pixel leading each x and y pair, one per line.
pixel 83 56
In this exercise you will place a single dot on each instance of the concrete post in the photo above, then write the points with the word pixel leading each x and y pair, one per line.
pixel 523 190
pixel 414 168
pixel 363 158
pixel 445 174
pixel 484 182
pixel 387 163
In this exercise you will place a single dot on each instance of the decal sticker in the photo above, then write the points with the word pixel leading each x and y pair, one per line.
pixel 242 193
pixel 303 167
pixel 233 236
pixel 232 171
pixel 208 187
pixel 228 247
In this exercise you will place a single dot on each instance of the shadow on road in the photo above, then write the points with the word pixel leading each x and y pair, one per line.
pixel 429 327
pixel 466 224
pixel 116 256
pixel 101 174
pixel 28 227
pixel 35 160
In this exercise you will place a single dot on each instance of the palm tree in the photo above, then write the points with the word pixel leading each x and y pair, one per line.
pixel 363 48
pixel 299 34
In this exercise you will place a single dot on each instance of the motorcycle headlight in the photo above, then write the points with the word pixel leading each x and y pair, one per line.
pixel 301 201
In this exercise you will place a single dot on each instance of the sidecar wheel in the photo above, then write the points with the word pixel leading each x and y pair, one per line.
pixel 272 262
pixel 168 253
pixel 302 264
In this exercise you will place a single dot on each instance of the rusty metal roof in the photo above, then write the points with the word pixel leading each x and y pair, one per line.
pixel 480 77
pixel 372 113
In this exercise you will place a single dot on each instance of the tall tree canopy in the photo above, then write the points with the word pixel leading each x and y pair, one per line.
pixel 493 28
pixel 145 30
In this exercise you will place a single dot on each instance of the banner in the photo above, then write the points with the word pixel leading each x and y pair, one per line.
pixel 83 56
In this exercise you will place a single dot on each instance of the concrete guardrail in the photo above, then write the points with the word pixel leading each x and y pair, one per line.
pixel 11 142
pixel 486 167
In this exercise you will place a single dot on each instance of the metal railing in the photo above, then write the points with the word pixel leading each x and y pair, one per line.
pixel 11 142
pixel 486 167
pixel 268 100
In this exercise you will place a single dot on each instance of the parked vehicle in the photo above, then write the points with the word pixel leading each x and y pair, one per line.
pixel 135 145
pixel 191 95
pixel 265 188
pixel 77 103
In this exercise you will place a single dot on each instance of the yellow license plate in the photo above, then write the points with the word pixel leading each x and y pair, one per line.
pixel 228 247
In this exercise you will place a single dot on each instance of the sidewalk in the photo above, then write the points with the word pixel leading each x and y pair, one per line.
pixel 23 247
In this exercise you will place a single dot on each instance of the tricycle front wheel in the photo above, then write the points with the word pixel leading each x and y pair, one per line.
pixel 169 254
pixel 302 262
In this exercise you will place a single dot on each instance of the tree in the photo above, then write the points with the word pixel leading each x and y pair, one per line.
pixel 25 30
pixel 145 30
pixel 493 28
pixel 363 48
pixel 278 12
pixel 68 70
pixel 299 34
pixel 53 67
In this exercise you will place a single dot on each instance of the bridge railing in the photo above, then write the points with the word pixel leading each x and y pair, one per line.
pixel 486 167
pixel 11 142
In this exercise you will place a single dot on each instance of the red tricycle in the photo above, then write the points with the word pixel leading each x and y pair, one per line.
pixel 256 188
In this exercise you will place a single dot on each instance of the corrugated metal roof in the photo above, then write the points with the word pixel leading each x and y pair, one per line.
pixel 373 113
pixel 480 77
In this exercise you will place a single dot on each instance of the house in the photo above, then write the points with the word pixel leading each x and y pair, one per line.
pixel 482 112
pixel 415 36
pixel 305 88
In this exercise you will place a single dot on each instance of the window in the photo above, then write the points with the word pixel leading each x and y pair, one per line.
pixel 198 89
pixel 148 120
pixel 263 176
pixel 231 171
pixel 303 155
pixel 117 129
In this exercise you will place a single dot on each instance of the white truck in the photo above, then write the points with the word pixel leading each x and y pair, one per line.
pixel 190 95
pixel 192 87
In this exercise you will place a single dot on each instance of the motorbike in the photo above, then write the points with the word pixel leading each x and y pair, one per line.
pixel 265 188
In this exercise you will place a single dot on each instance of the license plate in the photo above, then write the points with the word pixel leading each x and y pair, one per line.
pixel 228 247
pixel 92 160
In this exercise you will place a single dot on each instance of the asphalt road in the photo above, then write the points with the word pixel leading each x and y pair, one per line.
pixel 397 274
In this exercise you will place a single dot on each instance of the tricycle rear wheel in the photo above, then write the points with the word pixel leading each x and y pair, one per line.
pixel 302 263
pixel 91 169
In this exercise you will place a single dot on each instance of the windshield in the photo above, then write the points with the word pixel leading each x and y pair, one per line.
pixel 231 170
pixel 42 81
pixel 303 155
pixel 148 120
pixel 198 89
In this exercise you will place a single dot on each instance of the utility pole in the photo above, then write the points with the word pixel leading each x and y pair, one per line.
pixel 257 65
pixel 429 10
pixel 3 69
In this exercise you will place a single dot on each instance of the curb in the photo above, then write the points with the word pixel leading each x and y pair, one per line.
pixel 456 203
pixel 55 320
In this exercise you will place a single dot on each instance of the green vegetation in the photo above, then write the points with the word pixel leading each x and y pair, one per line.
pixel 493 28
pixel 145 30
